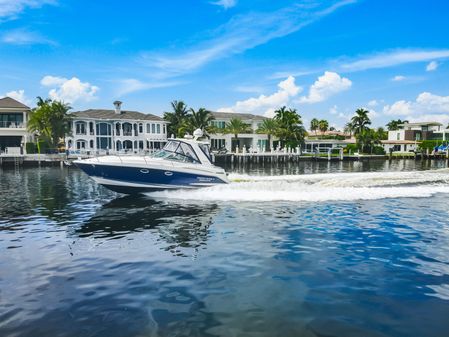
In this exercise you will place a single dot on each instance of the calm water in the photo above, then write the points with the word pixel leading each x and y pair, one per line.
pixel 329 254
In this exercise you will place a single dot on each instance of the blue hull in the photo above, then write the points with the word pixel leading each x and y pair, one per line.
pixel 137 179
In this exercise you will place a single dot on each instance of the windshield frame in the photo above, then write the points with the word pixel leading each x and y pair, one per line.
pixel 175 154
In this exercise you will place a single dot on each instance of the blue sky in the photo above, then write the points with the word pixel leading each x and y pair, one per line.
pixel 324 58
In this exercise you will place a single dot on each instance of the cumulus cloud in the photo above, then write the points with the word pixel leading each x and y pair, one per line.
pixel 19 95
pixel 225 3
pixel 432 66
pixel 426 102
pixel 10 9
pixel 69 90
pixel 398 78
pixel 325 86
pixel 264 104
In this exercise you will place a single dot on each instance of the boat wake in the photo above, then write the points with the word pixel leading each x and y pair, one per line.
pixel 320 187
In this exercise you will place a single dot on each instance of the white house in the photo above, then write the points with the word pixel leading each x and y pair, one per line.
pixel 409 135
pixel 101 130
pixel 249 140
pixel 13 126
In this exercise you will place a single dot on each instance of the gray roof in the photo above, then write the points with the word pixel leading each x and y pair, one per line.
pixel 226 115
pixel 8 102
pixel 111 115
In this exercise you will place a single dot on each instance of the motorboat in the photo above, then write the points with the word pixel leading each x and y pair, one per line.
pixel 183 163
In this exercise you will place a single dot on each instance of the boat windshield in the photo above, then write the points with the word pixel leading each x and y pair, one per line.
pixel 206 150
pixel 178 151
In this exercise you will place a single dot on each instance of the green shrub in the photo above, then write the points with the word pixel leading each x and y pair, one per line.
pixel 43 146
pixel 378 150
pixel 429 145
pixel 350 148
pixel 31 148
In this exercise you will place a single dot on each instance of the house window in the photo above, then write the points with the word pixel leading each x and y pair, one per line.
pixel 398 136
pixel 140 128
pixel 127 129
pixel 104 133
pixel 127 145
pixel 135 130
pixel 91 144
pixel 117 129
pixel 80 144
pixel 153 128
pixel 148 128
pixel 158 128
pixel 141 144
pixel 91 128
pixel 80 128
pixel 164 129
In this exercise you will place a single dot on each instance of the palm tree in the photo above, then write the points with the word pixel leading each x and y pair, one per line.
pixel 290 128
pixel 360 121
pixel 198 120
pixel 176 118
pixel 269 127
pixel 394 124
pixel 50 120
pixel 236 126
pixel 349 128
pixel 314 125
pixel 323 125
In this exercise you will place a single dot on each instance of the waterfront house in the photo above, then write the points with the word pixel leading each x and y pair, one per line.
pixel 13 126
pixel 250 140
pixel 323 141
pixel 409 135
pixel 115 130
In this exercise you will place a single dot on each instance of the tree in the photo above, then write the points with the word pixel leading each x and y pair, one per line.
pixel 269 127
pixel 360 121
pixel 332 128
pixel 176 118
pixel 290 128
pixel 349 128
pixel 198 120
pixel 314 125
pixel 50 120
pixel 323 125
pixel 383 135
pixel 368 139
pixel 394 124
pixel 236 126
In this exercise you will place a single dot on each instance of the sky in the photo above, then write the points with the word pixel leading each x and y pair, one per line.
pixel 324 58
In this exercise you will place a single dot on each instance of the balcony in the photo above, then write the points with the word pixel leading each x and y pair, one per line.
pixel 12 125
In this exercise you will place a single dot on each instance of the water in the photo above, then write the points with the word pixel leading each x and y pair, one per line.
pixel 339 254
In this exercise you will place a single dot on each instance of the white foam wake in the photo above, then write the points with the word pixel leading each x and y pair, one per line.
pixel 321 187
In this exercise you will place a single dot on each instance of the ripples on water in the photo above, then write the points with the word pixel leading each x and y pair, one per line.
pixel 78 260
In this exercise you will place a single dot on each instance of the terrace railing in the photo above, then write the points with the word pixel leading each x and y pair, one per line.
pixel 12 125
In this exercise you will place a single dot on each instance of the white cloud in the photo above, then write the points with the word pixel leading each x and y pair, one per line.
pixel 129 85
pixel 225 3
pixel 327 85
pixel 433 65
pixel 441 118
pixel 10 9
pixel 267 104
pixel 398 78
pixel 24 37
pixel 69 90
pixel 373 103
pixel 240 33
pixel 426 102
pixel 19 95
pixel 394 58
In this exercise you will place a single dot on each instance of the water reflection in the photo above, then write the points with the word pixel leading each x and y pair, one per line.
pixel 177 225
